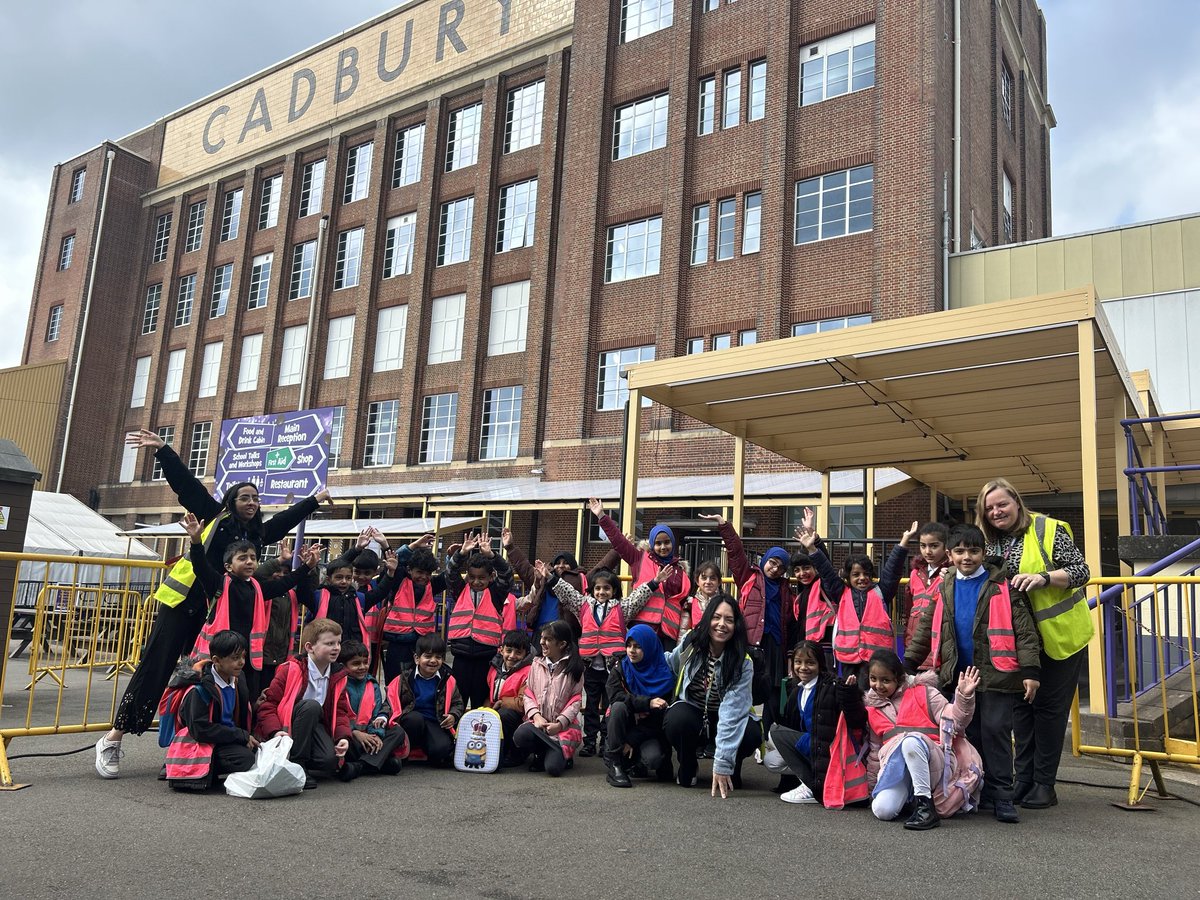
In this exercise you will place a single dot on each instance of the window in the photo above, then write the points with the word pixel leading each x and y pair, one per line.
pixel 380 447
pixel 312 188
pixel 700 234
pixel 268 202
pixel 304 260
pixel 506 328
pixel 210 370
pixel 611 390
pixel 349 259
pixel 358 173
pixel 722 341
pixel 248 366
pixel 1009 228
pixel 747 337
pixel 633 250
pixel 336 426
pixel 338 344
pixel 410 150
pixel 398 245
pixel 640 126
pixel 54 323
pixel 260 281
pixel 77 179
pixel 751 222
pixel 167 433
pixel 642 17
pixel 150 315
pixel 198 457
pixel 141 382
pixel 731 98
pixel 445 328
pixel 1006 96
pixel 129 458
pixel 758 90
pixel 184 299
pixel 462 139
pixel 523 117
pixel 291 360
pixel 501 423
pixel 726 219
pixel 835 204
pixel 174 380
pixel 66 252
pixel 219 300
pixel 454 231
pixel 707 106
pixel 438 416
pixel 390 332
pixel 162 237
pixel 695 345
pixel 801 328
pixel 231 215
pixel 836 65
pixel 195 229
pixel 518 205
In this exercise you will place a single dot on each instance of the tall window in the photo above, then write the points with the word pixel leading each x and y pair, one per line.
pixel 349 259
pixel 462 139
pixel 1009 227
pixel 633 250
pixel 518 207
pixel 304 261
pixel 231 215
pixel 501 423
pixel 1006 95
pixel 77 179
pixel 731 98
pixel 337 426
pixel 726 219
pixel 268 202
pixel 410 150
pixel 162 237
pixel 338 345
pixel 390 332
pixel 173 383
pixel 611 390
pixel 836 65
pixel 358 173
pixel 454 231
pixel 380 447
pixel 640 126
pixel 438 417
pixel 260 281
pixel 642 17
pixel 66 252
pixel 312 188
pixel 835 204
pixel 751 222
pixel 210 370
pixel 291 360
pixel 150 313
pixel 141 382
pixel 446 327
pixel 248 365
pixel 700 234
pixel 198 457
pixel 706 106
pixel 509 317
pixel 184 300
pixel 167 434
pixel 54 323
pixel 758 90
pixel 398 245
pixel 802 328
pixel 523 117
pixel 195 229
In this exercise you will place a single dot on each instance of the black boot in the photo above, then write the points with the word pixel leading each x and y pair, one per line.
pixel 617 776
pixel 924 817
pixel 588 748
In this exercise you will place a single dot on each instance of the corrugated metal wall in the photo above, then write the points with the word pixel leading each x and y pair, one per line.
pixel 30 400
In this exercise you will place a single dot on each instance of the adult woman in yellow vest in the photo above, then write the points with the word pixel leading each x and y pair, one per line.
pixel 182 603
pixel 1041 559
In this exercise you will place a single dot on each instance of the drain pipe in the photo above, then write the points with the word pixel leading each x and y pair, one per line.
pixel 957 208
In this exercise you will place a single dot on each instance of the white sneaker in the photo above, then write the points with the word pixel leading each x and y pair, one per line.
pixel 798 795
pixel 758 756
pixel 108 758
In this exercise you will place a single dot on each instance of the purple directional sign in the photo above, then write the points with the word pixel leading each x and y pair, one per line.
pixel 285 454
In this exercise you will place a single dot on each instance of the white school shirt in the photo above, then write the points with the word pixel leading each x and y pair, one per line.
pixel 318 684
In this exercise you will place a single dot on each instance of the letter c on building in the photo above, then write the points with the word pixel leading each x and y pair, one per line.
pixel 209 146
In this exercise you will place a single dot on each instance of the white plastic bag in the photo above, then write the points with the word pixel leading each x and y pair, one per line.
pixel 273 775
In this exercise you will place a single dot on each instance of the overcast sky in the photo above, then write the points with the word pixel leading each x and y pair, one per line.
pixel 1125 89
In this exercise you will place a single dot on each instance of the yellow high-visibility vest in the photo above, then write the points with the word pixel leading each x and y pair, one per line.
pixel 1061 614
pixel 179 580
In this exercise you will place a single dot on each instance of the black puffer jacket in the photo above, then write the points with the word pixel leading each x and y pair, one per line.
pixel 832 699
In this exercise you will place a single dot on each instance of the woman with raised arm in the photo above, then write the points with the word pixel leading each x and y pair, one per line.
pixel 182 604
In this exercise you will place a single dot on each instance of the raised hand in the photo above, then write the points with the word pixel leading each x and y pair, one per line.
pixel 541 568
pixel 910 534
pixel 389 560
pixel 323 496
pixel 425 540
pixel 595 507
pixel 968 681
pixel 144 438
pixel 485 544
pixel 807 539
pixel 809 521
pixel 666 573
pixel 716 517
pixel 506 537
pixel 364 538
pixel 191 525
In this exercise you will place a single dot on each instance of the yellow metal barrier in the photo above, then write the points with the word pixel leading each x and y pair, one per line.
pixel 83 622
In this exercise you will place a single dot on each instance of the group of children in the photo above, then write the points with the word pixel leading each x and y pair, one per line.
pixel 936 727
